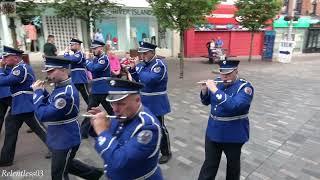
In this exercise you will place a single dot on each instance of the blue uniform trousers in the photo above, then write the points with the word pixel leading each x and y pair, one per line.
pixel 83 88
pixel 213 151
pixel 94 101
pixel 12 126
pixel 5 103
pixel 63 162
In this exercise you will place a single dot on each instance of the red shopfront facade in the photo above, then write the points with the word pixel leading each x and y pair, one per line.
pixel 222 24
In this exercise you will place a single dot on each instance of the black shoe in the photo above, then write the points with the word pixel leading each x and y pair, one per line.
pixel 84 136
pixel 4 164
pixel 98 173
pixel 29 131
pixel 165 158
pixel 48 155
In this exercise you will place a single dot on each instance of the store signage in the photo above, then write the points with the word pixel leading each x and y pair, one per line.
pixel 213 27
pixel 315 25
pixel 130 11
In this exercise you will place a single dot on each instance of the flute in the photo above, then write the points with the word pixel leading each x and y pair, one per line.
pixel 216 81
pixel 107 116
pixel 46 81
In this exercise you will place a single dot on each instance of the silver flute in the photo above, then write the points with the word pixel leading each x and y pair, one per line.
pixel 107 116
pixel 217 81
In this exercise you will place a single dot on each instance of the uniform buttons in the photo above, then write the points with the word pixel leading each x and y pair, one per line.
pixel 120 127
pixel 117 132
pixel 215 109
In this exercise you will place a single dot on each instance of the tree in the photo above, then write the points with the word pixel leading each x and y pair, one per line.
pixel 181 15
pixel 22 9
pixel 257 14
pixel 87 10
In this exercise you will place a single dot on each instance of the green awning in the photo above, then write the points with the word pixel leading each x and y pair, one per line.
pixel 303 22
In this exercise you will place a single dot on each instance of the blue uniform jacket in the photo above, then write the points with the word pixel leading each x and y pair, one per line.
pixel 130 150
pixel 100 69
pixel 78 67
pixel 154 76
pixel 59 111
pixel 20 80
pixel 5 90
pixel 228 121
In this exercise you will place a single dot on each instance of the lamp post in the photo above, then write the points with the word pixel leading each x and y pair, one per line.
pixel 291 6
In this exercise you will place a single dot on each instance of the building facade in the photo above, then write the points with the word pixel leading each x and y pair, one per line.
pixel 306 30
pixel 222 23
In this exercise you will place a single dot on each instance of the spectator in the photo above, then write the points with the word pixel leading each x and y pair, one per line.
pixel 114 63
pixel 219 42
pixel 49 49
pixel 98 36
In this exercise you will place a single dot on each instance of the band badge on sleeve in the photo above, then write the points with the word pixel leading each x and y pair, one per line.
pixel 101 140
pixel 144 137
pixel 248 90
pixel 16 72
pixel 102 61
pixel 60 103
pixel 157 69
pixel 219 96
pixel 77 55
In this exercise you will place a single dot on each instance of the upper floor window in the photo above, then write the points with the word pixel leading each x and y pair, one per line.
pixel 298 7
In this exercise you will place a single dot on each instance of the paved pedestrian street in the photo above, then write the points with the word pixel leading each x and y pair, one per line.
pixel 284 120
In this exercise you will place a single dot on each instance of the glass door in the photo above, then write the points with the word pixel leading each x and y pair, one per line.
pixel 313 41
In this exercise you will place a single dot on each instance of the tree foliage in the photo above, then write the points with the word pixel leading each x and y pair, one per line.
pixel 181 15
pixel 256 14
pixel 87 10
pixel 81 8
pixel 28 8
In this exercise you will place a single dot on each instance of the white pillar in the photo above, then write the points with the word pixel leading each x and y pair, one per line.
pixel 127 35
pixel 7 40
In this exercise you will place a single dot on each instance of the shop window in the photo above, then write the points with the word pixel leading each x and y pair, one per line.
pixel 285 36
pixel 109 31
pixel 284 9
pixel 314 7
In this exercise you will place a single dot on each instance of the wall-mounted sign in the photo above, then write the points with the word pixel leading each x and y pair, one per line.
pixel 130 11
pixel 214 27
pixel 315 25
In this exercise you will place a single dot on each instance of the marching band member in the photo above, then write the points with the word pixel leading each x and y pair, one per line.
pixel 5 97
pixel 228 124
pixel 78 68
pixel 59 110
pixel 22 109
pixel 152 72
pixel 128 143
pixel 99 66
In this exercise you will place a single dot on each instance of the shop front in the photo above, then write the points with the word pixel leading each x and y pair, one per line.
pixel 313 39
pixel 124 27
pixel 299 33
pixel 222 23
